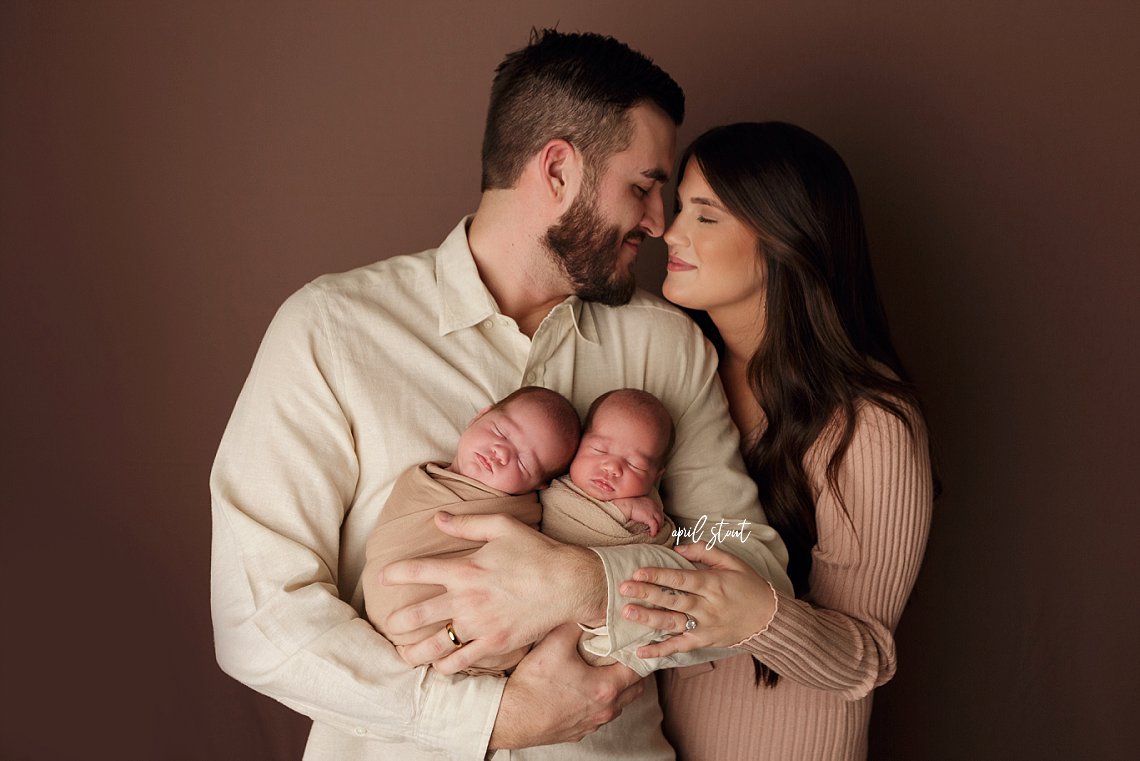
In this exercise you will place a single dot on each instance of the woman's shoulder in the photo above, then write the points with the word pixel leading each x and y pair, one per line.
pixel 889 419
pixel 883 429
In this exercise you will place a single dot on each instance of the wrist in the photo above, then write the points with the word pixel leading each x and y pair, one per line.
pixel 583 580
pixel 768 603
pixel 504 733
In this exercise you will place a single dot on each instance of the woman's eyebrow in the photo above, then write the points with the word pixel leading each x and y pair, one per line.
pixel 706 202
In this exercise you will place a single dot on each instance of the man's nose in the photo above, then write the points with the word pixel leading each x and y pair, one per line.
pixel 653 221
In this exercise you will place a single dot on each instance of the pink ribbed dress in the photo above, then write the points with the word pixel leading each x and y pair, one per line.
pixel 834 646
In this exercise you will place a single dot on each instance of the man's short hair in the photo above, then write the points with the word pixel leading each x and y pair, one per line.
pixel 643 403
pixel 574 87
pixel 558 410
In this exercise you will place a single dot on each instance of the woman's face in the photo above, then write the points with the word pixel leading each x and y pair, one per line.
pixel 714 261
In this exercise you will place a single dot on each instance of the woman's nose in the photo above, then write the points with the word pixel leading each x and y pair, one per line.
pixel 673 235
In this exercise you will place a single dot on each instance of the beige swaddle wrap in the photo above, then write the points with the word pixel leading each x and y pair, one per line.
pixel 573 517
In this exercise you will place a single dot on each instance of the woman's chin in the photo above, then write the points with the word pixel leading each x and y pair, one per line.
pixel 678 297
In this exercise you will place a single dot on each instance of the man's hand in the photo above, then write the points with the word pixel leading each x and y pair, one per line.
pixel 507 594
pixel 553 696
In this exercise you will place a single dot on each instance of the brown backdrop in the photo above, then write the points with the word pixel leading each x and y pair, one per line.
pixel 172 171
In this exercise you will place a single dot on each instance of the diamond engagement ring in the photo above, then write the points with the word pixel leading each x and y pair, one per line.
pixel 690 623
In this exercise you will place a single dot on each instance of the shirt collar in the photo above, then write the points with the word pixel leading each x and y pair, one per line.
pixel 465 300
pixel 584 319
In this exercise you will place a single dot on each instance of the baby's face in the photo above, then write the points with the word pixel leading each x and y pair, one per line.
pixel 510 449
pixel 619 455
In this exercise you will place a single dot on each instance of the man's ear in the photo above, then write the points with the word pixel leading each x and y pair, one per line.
pixel 560 165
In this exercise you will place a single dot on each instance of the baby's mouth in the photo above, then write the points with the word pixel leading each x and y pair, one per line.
pixel 483 461
pixel 603 485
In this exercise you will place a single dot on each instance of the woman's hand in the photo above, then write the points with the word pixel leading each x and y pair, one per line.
pixel 728 601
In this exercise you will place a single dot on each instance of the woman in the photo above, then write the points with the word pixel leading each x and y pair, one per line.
pixel 769 242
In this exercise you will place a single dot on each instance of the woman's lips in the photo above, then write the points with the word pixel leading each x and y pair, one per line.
pixel 676 265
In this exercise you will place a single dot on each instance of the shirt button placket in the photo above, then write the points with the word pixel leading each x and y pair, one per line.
pixel 540 348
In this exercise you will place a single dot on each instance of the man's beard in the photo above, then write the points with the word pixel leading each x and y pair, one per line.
pixel 588 250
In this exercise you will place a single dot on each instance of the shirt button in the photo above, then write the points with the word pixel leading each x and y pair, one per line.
pixel 487 324
pixel 360 731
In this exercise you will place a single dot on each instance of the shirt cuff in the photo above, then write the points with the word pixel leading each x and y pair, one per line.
pixel 619 564
pixel 458 713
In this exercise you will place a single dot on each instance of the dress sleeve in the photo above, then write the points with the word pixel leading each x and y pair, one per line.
pixel 840 637
pixel 284 477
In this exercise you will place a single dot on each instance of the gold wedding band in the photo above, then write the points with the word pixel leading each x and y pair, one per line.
pixel 451 635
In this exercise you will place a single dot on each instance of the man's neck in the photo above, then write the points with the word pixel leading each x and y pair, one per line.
pixel 522 277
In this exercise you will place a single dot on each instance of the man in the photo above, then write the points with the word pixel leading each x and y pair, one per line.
pixel 363 374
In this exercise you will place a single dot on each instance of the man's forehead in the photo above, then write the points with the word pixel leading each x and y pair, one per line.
pixel 652 149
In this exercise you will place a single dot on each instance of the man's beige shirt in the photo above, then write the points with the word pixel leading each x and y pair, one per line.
pixel 363 374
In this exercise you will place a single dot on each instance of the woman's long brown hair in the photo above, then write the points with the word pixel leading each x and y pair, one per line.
pixel 826 346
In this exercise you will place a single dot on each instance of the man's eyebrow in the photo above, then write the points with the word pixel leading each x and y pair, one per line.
pixel 659 175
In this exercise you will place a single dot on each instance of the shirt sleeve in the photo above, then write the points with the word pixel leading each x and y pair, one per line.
pixel 840 638
pixel 284 478
pixel 706 491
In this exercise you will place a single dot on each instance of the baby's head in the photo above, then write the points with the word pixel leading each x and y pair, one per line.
pixel 521 442
pixel 626 440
